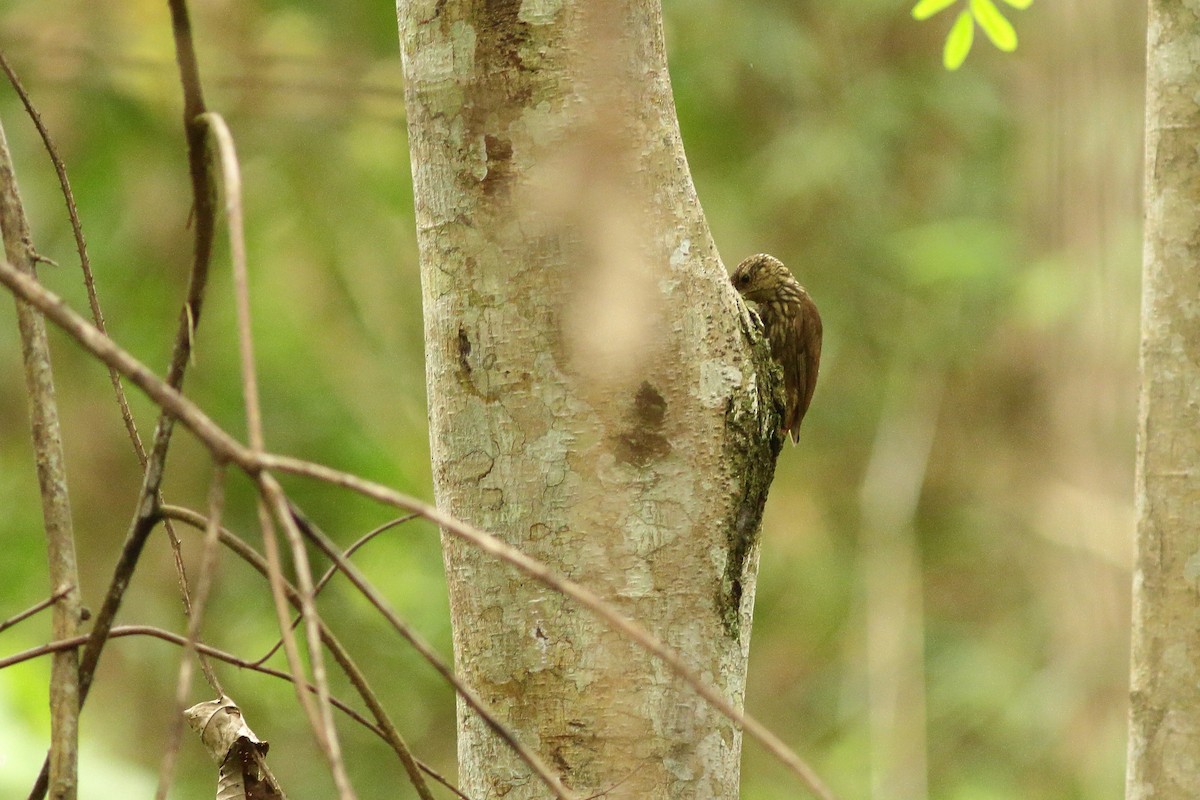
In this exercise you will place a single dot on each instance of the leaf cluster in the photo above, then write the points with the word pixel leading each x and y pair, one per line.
pixel 962 33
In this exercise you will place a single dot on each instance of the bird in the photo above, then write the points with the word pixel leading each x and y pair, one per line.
pixel 793 327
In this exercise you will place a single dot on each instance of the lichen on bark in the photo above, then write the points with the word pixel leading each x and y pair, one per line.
pixel 754 442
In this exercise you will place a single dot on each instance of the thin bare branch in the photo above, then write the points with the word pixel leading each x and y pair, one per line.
pixel 322 721
pixel 276 581
pixel 273 495
pixel 85 264
pixel 203 186
pixel 353 673
pixel 122 631
pixel 29 612
pixel 361 541
pixel 52 483
pixel 224 446
pixel 183 683
pixel 232 177
pixel 170 399
pixel 204 218
pixel 329 573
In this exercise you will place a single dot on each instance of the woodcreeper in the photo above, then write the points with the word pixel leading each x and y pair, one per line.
pixel 793 328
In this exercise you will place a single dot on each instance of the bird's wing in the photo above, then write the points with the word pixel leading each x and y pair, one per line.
pixel 808 332
pixel 785 348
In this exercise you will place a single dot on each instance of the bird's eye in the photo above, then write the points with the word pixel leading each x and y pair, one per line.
pixel 743 279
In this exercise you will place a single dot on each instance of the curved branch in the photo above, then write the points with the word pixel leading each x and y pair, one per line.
pixel 320 717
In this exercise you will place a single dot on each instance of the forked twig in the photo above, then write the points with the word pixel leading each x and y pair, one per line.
pixel 329 573
pixel 339 653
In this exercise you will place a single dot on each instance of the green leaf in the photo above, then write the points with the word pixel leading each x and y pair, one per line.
pixel 925 9
pixel 958 42
pixel 1021 4
pixel 994 24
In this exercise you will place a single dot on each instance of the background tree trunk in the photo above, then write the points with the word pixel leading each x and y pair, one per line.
pixel 592 395
pixel 1164 735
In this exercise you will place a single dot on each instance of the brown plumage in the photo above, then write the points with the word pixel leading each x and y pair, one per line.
pixel 793 327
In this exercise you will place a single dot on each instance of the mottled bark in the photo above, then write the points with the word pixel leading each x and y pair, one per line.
pixel 592 394
pixel 1164 736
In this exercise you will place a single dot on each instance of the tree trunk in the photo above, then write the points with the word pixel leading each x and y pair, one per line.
pixel 1164 735
pixel 593 396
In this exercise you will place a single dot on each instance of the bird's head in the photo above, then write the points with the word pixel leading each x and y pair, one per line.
pixel 759 277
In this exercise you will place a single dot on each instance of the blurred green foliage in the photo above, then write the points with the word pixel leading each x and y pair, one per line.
pixel 975 232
